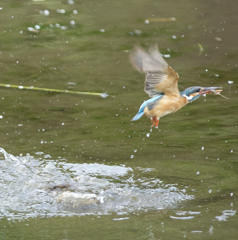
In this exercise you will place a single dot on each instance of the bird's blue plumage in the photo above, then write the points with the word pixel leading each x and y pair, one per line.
pixel 143 105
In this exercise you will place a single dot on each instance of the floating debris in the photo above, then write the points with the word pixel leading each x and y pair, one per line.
pixel 103 95
pixel 201 49
pixel 31 29
pixel 218 39
pixel 172 19
pixel 137 32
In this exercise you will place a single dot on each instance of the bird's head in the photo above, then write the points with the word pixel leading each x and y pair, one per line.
pixel 193 93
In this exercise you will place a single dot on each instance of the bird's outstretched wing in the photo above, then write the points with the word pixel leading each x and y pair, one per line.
pixel 159 76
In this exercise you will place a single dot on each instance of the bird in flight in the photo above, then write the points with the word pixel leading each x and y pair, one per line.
pixel 161 84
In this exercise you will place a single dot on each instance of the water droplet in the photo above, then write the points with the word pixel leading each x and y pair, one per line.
pixel 46 12
pixel 37 27
pixel 104 95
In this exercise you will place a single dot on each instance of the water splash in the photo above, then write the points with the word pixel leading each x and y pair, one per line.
pixel 31 187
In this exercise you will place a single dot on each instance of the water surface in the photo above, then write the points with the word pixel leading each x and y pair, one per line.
pixel 76 166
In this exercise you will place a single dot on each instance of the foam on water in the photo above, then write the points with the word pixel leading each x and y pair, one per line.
pixel 31 187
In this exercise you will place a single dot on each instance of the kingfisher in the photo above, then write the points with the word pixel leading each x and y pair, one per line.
pixel 161 84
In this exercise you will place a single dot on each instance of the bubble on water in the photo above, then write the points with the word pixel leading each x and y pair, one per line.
pixel 231 151
pixel 174 37
pixel 135 150
pixel 70 2
pixel 147 134
pixel 132 156
pixel 210 190
pixel 197 172
pixel 230 82
pixel 75 12
pixel 102 30
pixel 1 117
pixel 147 21
pixel 231 194
pixel 202 148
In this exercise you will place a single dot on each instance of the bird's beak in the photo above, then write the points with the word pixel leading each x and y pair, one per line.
pixel 210 90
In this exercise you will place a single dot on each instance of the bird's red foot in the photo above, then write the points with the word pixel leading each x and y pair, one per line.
pixel 155 122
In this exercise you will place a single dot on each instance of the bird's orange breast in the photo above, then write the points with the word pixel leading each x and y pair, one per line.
pixel 166 105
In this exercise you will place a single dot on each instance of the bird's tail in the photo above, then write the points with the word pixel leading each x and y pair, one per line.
pixel 138 116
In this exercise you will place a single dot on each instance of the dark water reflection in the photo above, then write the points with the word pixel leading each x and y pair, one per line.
pixel 196 148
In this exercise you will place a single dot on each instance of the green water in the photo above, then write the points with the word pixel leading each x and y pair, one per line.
pixel 194 148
